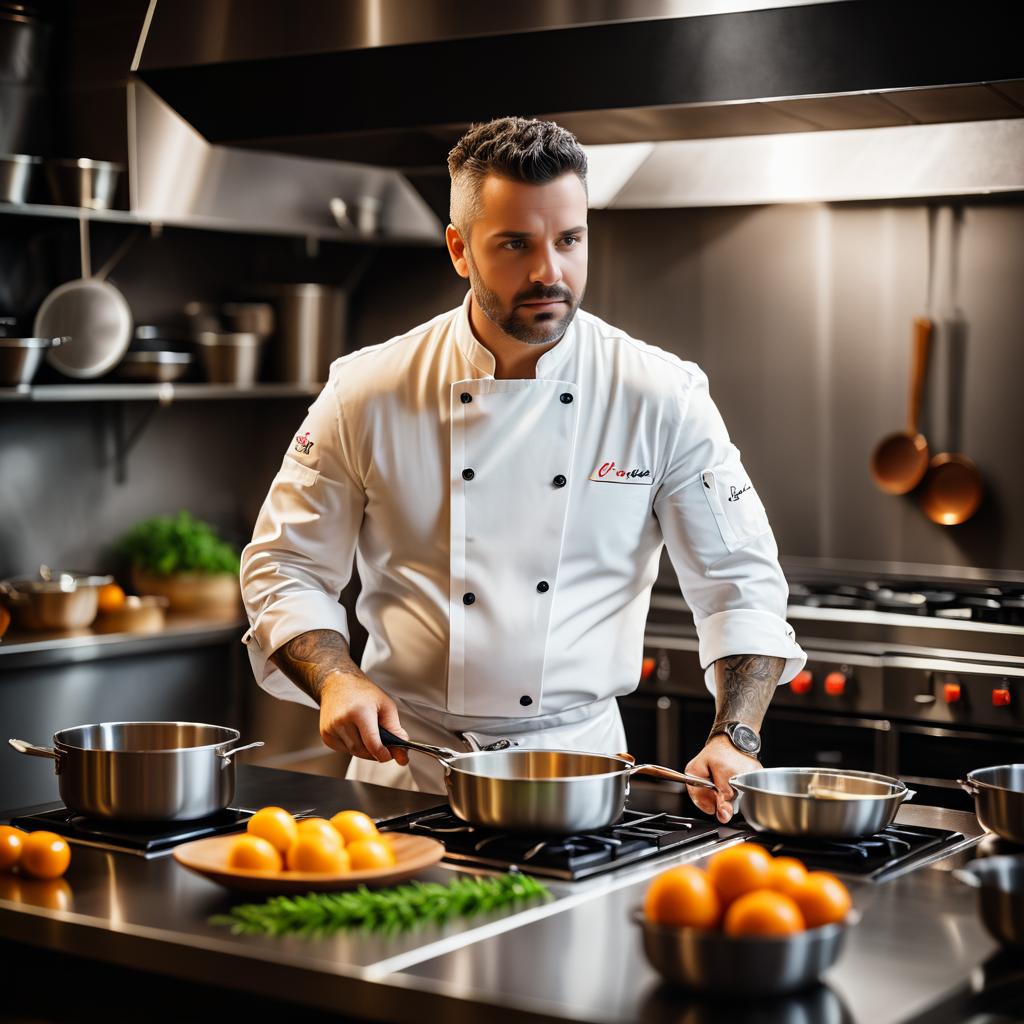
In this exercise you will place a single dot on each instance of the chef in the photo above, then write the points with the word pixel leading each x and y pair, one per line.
pixel 505 477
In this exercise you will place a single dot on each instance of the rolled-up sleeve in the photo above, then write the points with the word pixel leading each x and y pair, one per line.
pixel 301 553
pixel 720 542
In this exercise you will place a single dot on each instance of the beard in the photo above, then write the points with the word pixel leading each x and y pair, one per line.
pixel 518 322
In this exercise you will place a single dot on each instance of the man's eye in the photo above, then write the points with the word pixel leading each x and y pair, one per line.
pixel 515 243
pixel 572 238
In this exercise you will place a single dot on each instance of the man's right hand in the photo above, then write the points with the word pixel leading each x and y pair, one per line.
pixel 352 710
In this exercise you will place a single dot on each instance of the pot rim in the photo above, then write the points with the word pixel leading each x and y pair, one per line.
pixel 972 776
pixel 31 584
pixel 159 750
pixel 452 765
pixel 897 786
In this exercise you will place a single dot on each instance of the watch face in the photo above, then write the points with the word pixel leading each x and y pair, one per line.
pixel 745 739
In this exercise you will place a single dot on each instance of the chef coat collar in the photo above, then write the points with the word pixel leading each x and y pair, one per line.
pixel 483 359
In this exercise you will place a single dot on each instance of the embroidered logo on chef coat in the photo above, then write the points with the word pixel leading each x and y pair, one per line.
pixel 303 443
pixel 612 473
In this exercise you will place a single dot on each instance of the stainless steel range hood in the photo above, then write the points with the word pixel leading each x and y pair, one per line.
pixel 395 82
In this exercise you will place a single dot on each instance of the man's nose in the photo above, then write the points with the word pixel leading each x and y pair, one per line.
pixel 547 270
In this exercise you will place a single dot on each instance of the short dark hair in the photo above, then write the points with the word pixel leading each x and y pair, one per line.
pixel 519 148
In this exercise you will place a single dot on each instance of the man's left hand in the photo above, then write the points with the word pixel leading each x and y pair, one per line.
pixel 719 761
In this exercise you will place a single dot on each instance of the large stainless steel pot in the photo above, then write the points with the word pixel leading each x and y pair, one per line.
pixel 54 600
pixel 822 803
pixel 143 771
pixel 556 792
pixel 1000 885
pixel 999 799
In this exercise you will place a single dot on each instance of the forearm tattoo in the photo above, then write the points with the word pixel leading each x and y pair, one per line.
pixel 308 659
pixel 745 684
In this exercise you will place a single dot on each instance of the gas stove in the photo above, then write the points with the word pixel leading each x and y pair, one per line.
pixel 143 839
pixel 638 836
pixel 879 858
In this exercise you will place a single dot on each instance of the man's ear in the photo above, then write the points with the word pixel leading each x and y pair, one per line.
pixel 457 250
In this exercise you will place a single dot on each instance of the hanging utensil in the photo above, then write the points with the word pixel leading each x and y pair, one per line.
pixel 900 460
pixel 953 488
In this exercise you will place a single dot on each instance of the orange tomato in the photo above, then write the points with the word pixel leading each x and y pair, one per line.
pixel 251 853
pixel 822 899
pixel 739 870
pixel 312 851
pixel 11 839
pixel 44 855
pixel 354 825
pixel 370 853
pixel 787 875
pixel 110 598
pixel 319 826
pixel 763 912
pixel 683 897
pixel 275 825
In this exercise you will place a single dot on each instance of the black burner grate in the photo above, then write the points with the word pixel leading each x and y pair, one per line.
pixel 873 858
pixel 146 839
pixel 635 837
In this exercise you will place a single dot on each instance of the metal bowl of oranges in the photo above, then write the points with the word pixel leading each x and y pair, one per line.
pixel 749 924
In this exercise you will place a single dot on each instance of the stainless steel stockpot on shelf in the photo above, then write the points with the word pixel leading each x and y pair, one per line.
pixel 551 792
pixel 143 771
pixel 819 803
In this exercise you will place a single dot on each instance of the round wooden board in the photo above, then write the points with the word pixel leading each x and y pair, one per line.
pixel 209 858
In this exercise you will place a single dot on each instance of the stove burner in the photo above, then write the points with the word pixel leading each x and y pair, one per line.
pixel 875 858
pixel 635 837
pixel 143 838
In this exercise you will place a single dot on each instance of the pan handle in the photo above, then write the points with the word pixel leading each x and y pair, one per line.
pixel 659 772
pixel 228 754
pixel 969 786
pixel 908 795
pixel 30 748
pixel 442 754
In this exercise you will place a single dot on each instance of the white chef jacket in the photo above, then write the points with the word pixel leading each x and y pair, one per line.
pixel 507 534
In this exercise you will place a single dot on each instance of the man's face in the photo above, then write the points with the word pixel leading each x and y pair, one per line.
pixel 527 256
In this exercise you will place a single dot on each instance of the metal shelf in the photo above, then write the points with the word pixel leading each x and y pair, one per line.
pixel 326 233
pixel 164 393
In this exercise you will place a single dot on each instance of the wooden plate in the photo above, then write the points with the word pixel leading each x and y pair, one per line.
pixel 209 857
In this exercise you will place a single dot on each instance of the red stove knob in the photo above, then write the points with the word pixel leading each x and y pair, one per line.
pixel 835 684
pixel 647 667
pixel 1000 698
pixel 802 681
pixel 951 693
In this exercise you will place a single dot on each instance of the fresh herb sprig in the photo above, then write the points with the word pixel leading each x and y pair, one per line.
pixel 385 910
pixel 165 545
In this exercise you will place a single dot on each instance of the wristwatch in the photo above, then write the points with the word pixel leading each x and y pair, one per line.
pixel 744 738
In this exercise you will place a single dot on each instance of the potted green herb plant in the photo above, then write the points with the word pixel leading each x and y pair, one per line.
pixel 182 559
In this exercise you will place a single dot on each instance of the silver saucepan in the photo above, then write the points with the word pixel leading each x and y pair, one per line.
pixel 820 803
pixel 143 771
pixel 999 799
pixel 556 792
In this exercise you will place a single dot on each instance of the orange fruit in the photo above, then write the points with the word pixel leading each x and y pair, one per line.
pixel 370 853
pixel 11 839
pixel 787 875
pixel 110 598
pixel 739 870
pixel 763 912
pixel 44 855
pixel 683 897
pixel 354 825
pixel 251 853
pixel 319 826
pixel 275 825
pixel 822 899
pixel 5 619
pixel 313 851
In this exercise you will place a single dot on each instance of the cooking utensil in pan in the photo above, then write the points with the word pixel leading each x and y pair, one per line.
pixel 143 771
pixel 556 792
pixel 999 799
pixel 900 461
pixel 952 488
pixel 820 803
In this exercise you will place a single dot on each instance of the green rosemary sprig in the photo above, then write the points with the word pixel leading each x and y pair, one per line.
pixel 385 910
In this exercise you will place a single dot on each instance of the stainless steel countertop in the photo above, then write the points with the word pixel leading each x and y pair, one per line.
pixel 576 958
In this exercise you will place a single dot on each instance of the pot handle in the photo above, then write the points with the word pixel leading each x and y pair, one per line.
pixel 442 754
pixel 969 786
pixel 30 748
pixel 658 771
pixel 908 795
pixel 228 754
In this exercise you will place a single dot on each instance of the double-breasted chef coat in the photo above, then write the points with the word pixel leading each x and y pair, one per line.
pixel 507 534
